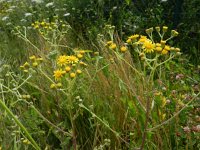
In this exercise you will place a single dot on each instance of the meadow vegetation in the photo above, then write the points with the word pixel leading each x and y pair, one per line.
pixel 106 76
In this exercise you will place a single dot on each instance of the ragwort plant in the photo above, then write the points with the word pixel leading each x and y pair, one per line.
pixel 153 54
pixel 109 101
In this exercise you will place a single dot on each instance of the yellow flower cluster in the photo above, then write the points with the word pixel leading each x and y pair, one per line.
pixel 34 62
pixel 143 44
pixel 68 66
pixel 47 26
pixel 113 46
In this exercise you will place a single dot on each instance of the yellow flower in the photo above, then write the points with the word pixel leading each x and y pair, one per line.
pixel 26 141
pixel 63 60
pixel 36 26
pixel 109 43
pixel 72 75
pixel 73 59
pixel 113 46
pixel 42 23
pixel 157 29
pixel 167 47
pixel 78 71
pixel 79 55
pixel 67 69
pixel 164 52
pixel 165 28
pixel 163 42
pixel 82 63
pixel 59 85
pixel 39 59
pixel 142 39
pixel 158 44
pixel 174 33
pixel 128 41
pixel 35 64
pixel 123 48
pixel 58 74
pixel 26 71
pixel 22 67
pixel 141 54
pixel 82 52
pixel 158 48
pixel 177 49
pixel 133 37
pixel 149 31
pixel 52 86
pixel 33 57
pixel 148 46
pixel 26 64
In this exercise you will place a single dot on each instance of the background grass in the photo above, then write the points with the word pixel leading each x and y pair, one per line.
pixel 106 106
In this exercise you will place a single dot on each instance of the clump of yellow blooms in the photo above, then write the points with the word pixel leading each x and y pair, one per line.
pixel 68 66
pixel 45 26
pixel 113 46
pixel 26 141
pixel 148 47
pixel 144 45
pixel 34 62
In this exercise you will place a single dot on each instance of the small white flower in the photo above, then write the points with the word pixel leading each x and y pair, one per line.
pixel 27 14
pixel 5 18
pixel 23 20
pixel 67 14
pixel 37 1
pixel 49 4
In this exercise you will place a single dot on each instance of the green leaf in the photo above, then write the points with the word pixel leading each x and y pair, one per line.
pixel 128 2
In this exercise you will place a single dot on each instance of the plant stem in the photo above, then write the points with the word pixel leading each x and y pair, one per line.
pixel 34 144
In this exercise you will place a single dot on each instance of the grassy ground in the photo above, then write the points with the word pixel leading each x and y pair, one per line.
pixel 59 90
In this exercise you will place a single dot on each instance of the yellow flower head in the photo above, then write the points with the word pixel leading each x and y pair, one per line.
pixel 36 26
pixel 163 42
pixel 157 29
pixel 63 60
pixel 167 48
pixel 133 37
pixel 148 46
pixel 158 48
pixel 123 48
pixel 128 41
pixel 67 69
pixel 59 85
pixel 33 57
pixel 26 64
pixel 113 46
pixel 42 23
pixel 78 71
pixel 58 74
pixel 73 59
pixel 52 86
pixel 165 28
pixel 109 43
pixel 72 75
pixel 35 64
pixel 142 39
pixel 177 49
pixel 79 55
pixel 82 52
pixel 149 31
pixel 164 52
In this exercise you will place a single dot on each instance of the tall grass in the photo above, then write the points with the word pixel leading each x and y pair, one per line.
pixel 119 95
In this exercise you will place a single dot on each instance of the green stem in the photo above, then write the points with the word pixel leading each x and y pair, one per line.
pixel 34 144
